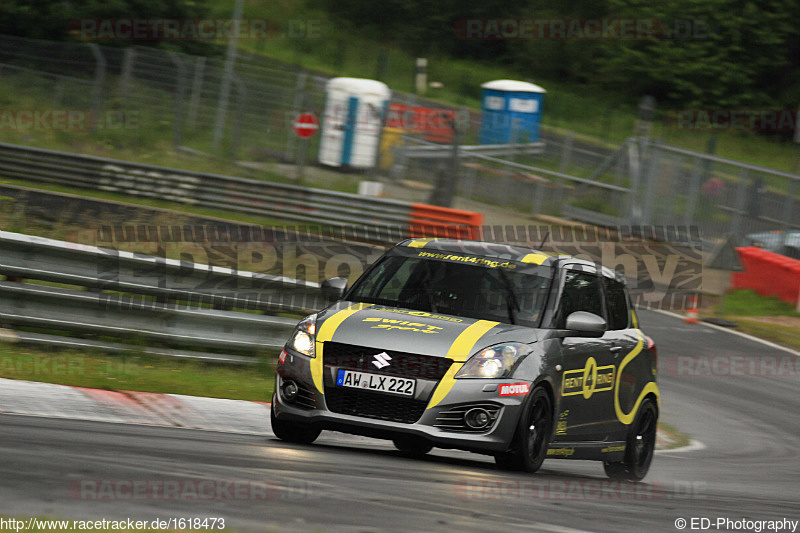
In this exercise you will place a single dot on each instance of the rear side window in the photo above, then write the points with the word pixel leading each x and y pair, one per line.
pixel 616 303
pixel 581 293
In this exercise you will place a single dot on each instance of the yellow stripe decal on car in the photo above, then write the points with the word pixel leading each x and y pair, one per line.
pixel 419 243
pixel 651 387
pixel 459 351
pixel 325 334
pixel 536 259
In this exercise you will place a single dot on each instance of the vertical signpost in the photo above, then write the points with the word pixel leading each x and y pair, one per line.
pixel 305 127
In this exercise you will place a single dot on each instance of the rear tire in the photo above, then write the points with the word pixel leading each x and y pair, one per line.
pixel 412 446
pixel 293 431
pixel 640 445
pixel 529 449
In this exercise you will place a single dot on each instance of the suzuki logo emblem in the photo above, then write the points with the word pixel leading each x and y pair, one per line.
pixel 381 360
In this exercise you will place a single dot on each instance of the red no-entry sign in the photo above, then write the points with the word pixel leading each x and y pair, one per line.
pixel 306 125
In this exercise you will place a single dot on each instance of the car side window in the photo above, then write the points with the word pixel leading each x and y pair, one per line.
pixel 581 293
pixel 616 303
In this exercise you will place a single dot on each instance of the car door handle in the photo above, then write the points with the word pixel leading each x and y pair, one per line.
pixel 616 349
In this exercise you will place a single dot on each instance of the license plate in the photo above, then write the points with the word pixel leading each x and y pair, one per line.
pixel 374 382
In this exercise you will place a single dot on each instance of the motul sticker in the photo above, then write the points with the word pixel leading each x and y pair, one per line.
pixel 514 389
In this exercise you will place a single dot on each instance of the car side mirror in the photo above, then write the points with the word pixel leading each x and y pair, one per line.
pixel 334 288
pixel 585 324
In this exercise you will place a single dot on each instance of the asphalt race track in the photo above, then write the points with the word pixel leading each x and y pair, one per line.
pixel 746 467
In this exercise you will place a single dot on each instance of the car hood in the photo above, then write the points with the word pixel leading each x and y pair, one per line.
pixel 419 332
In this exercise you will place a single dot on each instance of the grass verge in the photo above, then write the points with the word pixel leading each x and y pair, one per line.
pixel 750 303
pixel 137 372
pixel 765 317
pixel 670 438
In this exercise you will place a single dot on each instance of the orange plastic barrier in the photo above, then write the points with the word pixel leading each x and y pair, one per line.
pixel 768 273
pixel 434 221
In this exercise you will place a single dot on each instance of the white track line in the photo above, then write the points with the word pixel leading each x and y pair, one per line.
pixel 732 332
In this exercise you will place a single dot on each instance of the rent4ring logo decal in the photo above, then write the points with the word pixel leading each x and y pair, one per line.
pixel 514 389
pixel 588 380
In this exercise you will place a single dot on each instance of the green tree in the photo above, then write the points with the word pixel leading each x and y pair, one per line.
pixel 712 53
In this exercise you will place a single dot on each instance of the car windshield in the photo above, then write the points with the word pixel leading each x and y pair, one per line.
pixel 470 286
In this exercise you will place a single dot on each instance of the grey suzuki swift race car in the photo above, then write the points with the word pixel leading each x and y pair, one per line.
pixel 484 347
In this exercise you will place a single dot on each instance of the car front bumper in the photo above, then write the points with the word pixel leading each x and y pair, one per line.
pixel 441 422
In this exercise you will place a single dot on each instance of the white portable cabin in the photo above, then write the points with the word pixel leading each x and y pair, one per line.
pixel 352 121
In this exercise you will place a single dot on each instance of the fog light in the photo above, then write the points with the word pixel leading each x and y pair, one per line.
pixel 289 390
pixel 477 418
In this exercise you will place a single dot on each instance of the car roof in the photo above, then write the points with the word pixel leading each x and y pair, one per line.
pixel 495 250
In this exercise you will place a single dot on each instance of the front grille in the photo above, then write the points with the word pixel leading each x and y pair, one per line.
pixel 453 418
pixel 305 397
pixel 374 405
pixel 402 364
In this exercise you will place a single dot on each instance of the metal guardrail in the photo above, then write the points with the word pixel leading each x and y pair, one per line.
pixel 135 298
pixel 30 257
pixel 591 217
pixel 26 304
pixel 435 151
pixel 386 217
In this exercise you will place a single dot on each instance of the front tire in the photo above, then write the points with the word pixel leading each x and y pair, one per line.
pixel 533 435
pixel 640 445
pixel 293 431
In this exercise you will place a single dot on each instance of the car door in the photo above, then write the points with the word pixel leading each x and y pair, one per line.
pixel 588 369
pixel 623 337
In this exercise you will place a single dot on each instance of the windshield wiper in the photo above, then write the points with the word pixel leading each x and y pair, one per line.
pixel 511 298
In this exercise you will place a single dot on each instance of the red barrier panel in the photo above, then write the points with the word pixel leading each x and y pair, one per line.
pixel 768 273
pixel 436 125
pixel 434 221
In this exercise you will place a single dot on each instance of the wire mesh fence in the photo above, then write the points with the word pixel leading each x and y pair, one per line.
pixel 175 99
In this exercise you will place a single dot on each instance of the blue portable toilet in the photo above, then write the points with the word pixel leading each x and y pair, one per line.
pixel 510 112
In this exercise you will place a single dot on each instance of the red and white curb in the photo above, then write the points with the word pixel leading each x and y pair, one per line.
pixel 149 408
pixel 130 407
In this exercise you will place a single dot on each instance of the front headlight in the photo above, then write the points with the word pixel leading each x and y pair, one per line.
pixel 494 362
pixel 304 336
